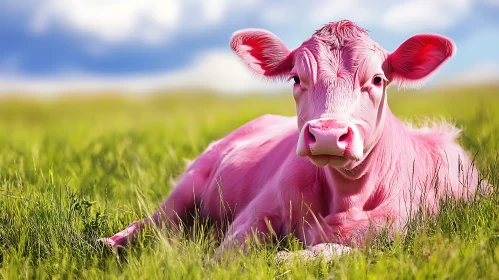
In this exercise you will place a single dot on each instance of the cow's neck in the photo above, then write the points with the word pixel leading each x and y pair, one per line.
pixel 355 188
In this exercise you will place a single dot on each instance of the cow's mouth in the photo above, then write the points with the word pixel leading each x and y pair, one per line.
pixel 333 160
pixel 323 160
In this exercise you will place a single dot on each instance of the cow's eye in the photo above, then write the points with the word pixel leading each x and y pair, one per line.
pixel 296 79
pixel 377 80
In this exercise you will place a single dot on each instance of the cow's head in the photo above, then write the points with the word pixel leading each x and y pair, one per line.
pixel 339 79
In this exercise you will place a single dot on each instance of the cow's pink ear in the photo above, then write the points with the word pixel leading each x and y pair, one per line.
pixel 417 58
pixel 263 52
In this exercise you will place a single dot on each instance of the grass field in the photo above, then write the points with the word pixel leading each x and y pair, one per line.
pixel 75 169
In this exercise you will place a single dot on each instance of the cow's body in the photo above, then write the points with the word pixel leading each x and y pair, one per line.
pixel 258 175
pixel 323 180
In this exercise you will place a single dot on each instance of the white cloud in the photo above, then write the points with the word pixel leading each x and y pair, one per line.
pixel 393 15
pixel 420 14
pixel 492 2
pixel 278 14
pixel 356 10
pixel 157 20
pixel 485 72
pixel 218 71
pixel 154 21
pixel 118 21
pixel 317 12
pixel 214 10
pixel 110 20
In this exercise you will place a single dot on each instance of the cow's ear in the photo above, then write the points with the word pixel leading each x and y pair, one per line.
pixel 263 52
pixel 417 58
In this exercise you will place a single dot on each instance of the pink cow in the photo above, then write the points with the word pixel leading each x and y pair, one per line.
pixel 341 170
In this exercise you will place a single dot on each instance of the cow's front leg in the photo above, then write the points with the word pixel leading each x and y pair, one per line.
pixel 247 227
pixel 122 238
pixel 171 212
pixel 352 228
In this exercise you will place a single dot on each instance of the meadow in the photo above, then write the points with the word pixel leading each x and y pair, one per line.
pixel 76 168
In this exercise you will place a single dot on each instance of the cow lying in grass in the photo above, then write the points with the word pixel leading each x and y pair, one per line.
pixel 341 170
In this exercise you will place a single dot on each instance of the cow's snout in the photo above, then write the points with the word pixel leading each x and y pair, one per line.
pixel 325 140
pixel 329 138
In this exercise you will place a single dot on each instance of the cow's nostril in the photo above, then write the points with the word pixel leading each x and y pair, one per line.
pixel 346 136
pixel 310 137
pixel 343 137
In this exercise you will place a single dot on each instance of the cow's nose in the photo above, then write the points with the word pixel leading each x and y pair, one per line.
pixel 327 140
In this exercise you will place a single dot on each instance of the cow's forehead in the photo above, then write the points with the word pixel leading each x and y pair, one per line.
pixel 341 45
pixel 339 34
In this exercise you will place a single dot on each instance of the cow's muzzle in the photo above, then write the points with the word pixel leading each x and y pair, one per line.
pixel 327 141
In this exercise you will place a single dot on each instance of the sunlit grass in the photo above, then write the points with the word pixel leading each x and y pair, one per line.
pixel 74 169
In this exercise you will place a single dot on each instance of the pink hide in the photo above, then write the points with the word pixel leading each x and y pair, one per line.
pixel 345 167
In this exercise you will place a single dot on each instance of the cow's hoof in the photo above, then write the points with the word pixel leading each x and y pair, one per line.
pixel 115 243
pixel 324 251
pixel 107 242
pixel 122 238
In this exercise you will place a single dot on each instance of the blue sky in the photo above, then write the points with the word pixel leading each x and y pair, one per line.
pixel 49 45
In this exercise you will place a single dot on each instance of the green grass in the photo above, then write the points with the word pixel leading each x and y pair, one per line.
pixel 74 169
